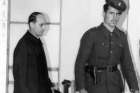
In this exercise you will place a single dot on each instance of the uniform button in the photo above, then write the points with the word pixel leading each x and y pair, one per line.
pixel 103 43
pixel 111 43
pixel 111 52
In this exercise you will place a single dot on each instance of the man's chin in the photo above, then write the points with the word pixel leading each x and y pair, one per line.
pixel 113 25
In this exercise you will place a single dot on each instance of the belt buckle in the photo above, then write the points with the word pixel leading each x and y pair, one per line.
pixel 99 71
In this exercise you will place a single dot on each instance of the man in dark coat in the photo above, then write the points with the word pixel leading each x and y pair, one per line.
pixel 102 50
pixel 29 63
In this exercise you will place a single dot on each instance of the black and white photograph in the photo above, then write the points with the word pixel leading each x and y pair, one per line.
pixel 69 46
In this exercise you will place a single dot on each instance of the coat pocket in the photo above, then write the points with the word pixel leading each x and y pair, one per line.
pixel 116 80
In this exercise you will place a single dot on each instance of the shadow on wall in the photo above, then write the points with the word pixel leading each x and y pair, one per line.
pixel 124 18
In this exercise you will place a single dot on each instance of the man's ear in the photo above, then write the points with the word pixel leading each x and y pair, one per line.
pixel 31 24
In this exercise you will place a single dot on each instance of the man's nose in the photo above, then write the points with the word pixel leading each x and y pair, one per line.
pixel 115 15
pixel 44 27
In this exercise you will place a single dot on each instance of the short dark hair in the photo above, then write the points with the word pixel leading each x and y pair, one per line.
pixel 32 17
pixel 105 7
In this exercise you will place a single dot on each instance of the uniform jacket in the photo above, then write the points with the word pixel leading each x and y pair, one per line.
pixel 29 66
pixel 100 47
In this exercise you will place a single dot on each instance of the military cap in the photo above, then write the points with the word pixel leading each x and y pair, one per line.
pixel 118 4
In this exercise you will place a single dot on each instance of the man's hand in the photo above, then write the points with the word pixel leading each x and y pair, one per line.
pixel 83 91
pixel 54 88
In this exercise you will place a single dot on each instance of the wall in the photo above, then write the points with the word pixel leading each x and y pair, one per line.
pixel 134 33
pixel 77 17
pixel 3 43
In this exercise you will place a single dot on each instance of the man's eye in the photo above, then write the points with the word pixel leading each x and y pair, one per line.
pixel 111 12
pixel 119 13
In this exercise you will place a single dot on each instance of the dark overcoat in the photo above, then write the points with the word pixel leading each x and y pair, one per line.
pixel 29 66
pixel 100 48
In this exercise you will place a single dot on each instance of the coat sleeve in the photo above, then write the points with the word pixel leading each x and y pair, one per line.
pixel 20 68
pixel 127 67
pixel 82 57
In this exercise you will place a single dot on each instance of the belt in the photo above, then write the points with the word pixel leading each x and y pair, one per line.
pixel 106 68
pixel 92 70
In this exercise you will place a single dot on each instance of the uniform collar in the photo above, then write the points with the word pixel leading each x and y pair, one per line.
pixel 107 32
pixel 117 31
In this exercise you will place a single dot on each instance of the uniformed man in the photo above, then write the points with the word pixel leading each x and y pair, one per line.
pixel 101 50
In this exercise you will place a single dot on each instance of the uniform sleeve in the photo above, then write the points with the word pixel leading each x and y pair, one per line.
pixel 82 57
pixel 20 68
pixel 128 68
